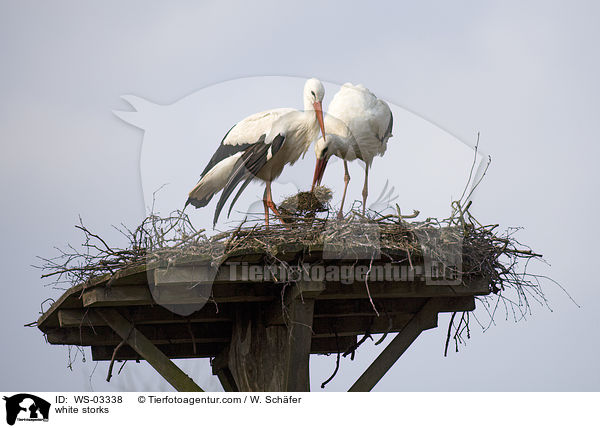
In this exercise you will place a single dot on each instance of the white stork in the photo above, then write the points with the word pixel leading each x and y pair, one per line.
pixel 259 147
pixel 359 126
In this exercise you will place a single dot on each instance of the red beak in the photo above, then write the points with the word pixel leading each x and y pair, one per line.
pixel 319 171
pixel 321 163
pixel 319 112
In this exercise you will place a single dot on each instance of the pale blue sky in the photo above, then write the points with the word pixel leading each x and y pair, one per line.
pixel 523 74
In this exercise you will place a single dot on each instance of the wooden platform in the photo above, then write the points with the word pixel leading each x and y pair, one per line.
pixel 259 333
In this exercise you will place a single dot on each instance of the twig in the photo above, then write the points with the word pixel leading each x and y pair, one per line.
pixel 448 334
pixel 112 360
pixel 337 364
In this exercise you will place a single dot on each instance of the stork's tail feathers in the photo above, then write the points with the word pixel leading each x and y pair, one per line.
pixel 198 202
pixel 212 182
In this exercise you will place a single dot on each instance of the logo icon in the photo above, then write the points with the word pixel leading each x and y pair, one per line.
pixel 26 407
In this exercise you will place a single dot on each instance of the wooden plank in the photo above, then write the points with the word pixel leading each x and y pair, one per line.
pixel 409 305
pixel 145 315
pixel 352 326
pixel 194 274
pixel 424 319
pixel 69 299
pixel 178 292
pixel 363 307
pixel 331 345
pixel 156 333
pixel 131 275
pixel 79 317
pixel 258 273
pixel 173 351
pixel 212 350
pixel 215 313
pixel 161 363
pixel 140 295
pixel 276 313
pixel 117 296
pixel 229 272
pixel 99 334
pixel 387 290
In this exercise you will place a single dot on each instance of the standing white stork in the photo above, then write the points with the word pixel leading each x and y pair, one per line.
pixel 359 126
pixel 259 147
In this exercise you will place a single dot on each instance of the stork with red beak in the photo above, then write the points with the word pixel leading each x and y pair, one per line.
pixel 258 148
pixel 359 126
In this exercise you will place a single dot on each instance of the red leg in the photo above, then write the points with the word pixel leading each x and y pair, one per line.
pixel 266 206
pixel 270 203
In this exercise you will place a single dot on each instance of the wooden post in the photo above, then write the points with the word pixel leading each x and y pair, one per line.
pixel 424 319
pixel 270 343
pixel 148 351
pixel 300 305
pixel 256 358
pixel 297 376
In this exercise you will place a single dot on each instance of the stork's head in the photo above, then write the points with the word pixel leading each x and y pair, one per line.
pixel 314 91
pixel 324 149
pixel 328 146
pixel 313 99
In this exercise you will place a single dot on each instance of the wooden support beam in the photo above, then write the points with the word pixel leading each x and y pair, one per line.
pixel 226 379
pixel 147 350
pixel 297 375
pixel 424 319
pixel 220 368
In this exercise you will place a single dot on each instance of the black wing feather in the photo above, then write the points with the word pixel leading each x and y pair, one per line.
pixel 246 168
pixel 239 192
pixel 223 152
pixel 226 150
pixel 277 143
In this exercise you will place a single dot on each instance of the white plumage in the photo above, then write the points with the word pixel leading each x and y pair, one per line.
pixel 253 126
pixel 236 141
pixel 259 147
pixel 359 126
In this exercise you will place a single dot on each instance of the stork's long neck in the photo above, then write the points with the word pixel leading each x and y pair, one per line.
pixel 310 119
pixel 308 104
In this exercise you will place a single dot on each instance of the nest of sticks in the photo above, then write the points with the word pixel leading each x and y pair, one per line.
pixel 309 220
pixel 304 206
